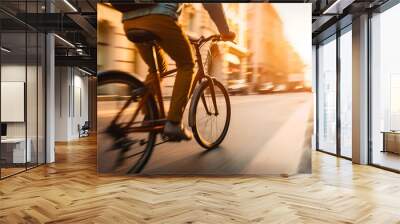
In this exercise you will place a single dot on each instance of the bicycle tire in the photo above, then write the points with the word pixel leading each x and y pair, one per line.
pixel 117 77
pixel 193 113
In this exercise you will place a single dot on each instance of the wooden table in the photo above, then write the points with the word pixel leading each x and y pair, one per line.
pixel 391 141
pixel 13 150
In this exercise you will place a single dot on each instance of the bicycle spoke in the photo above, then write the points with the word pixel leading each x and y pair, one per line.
pixel 216 125
pixel 209 133
pixel 205 116
pixel 211 126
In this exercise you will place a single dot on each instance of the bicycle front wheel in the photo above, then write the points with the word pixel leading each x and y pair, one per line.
pixel 210 126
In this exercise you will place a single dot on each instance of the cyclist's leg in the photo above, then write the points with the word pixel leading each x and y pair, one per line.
pixel 146 52
pixel 176 44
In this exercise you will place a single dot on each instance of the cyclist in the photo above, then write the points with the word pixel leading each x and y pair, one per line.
pixel 161 19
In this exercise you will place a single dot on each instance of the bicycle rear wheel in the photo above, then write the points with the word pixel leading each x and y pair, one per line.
pixel 124 151
pixel 210 128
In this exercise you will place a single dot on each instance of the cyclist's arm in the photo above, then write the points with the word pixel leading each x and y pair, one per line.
pixel 216 12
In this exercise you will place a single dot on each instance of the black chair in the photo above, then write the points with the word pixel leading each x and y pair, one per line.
pixel 84 130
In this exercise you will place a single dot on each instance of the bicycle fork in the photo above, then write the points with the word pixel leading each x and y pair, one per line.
pixel 210 81
pixel 213 97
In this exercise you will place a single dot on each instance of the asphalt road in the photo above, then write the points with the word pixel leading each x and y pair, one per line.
pixel 268 134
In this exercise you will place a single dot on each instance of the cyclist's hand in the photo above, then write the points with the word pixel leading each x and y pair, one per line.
pixel 228 36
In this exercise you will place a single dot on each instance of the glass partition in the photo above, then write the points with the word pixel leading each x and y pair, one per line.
pixel 346 93
pixel 41 97
pixel 385 89
pixel 31 97
pixel 14 144
pixel 22 90
pixel 327 96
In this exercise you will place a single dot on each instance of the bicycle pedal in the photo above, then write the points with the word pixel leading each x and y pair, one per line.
pixel 168 139
pixel 164 138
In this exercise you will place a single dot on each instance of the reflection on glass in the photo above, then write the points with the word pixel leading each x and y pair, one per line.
pixel 394 102
pixel 23 90
pixel 14 151
pixel 346 94
pixel 31 96
pixel 327 97
pixel 386 89
pixel 41 99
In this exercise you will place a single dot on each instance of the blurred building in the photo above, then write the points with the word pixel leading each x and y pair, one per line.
pixel 272 59
pixel 229 61
pixel 114 50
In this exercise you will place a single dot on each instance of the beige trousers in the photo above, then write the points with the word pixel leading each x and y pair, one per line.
pixel 174 43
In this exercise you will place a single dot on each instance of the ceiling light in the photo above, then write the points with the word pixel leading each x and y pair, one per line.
pixel 70 5
pixel 64 40
pixel 5 50
pixel 338 6
pixel 84 71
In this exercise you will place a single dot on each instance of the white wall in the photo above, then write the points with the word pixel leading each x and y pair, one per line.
pixel 33 127
pixel 16 73
pixel 12 101
pixel 80 94
pixel 62 78
pixel 71 87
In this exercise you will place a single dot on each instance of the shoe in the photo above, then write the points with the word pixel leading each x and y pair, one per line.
pixel 176 132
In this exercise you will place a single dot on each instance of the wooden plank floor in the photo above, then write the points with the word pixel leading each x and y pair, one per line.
pixel 70 191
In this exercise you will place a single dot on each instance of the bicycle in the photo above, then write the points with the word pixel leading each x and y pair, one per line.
pixel 209 112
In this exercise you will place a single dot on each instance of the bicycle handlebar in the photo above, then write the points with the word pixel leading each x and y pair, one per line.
pixel 215 37
pixel 202 40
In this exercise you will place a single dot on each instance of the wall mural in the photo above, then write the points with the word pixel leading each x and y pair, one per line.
pixel 246 103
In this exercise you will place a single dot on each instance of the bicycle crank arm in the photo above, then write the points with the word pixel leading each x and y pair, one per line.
pixel 165 140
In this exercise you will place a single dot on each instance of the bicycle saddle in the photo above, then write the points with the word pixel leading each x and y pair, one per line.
pixel 140 36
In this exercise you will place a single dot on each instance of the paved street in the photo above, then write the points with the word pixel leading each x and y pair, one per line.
pixel 269 134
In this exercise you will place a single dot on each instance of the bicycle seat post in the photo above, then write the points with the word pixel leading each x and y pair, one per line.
pixel 155 59
pixel 156 76
pixel 146 37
